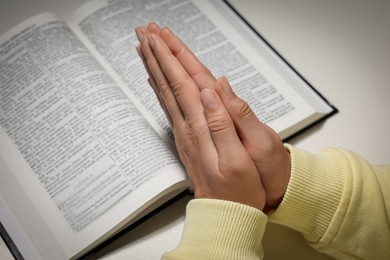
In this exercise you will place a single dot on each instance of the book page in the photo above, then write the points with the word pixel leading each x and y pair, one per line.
pixel 72 138
pixel 108 27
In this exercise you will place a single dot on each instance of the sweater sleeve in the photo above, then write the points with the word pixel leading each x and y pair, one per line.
pixel 217 229
pixel 339 203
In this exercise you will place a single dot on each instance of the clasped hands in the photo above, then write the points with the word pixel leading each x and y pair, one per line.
pixel 227 152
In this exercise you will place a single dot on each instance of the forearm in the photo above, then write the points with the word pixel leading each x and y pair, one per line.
pixel 218 229
pixel 337 201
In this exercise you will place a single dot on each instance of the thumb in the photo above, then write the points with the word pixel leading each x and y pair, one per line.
pixel 248 126
pixel 221 127
pixel 261 142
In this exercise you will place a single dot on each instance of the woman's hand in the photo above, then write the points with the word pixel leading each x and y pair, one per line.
pixel 205 136
pixel 267 151
pixel 264 146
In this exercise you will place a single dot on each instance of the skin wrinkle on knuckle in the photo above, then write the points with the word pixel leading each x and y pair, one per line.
pixel 178 85
pixel 195 138
pixel 192 135
pixel 241 109
pixel 165 91
pixel 218 123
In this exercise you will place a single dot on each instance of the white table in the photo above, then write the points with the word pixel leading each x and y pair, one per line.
pixel 341 47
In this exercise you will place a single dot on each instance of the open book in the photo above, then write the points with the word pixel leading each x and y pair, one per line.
pixel 85 148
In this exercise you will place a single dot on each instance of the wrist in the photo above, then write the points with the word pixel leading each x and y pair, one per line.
pixel 280 186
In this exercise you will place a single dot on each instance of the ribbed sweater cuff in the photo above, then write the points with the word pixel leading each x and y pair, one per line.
pixel 313 193
pixel 242 228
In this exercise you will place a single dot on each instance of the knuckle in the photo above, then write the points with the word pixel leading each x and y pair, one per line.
pixel 218 123
pixel 202 75
pixel 189 136
pixel 175 85
pixel 178 85
pixel 182 52
pixel 165 91
pixel 242 109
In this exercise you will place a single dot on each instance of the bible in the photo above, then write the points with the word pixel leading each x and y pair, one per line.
pixel 86 150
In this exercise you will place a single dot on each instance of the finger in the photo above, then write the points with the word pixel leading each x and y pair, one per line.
pixel 201 75
pixel 160 101
pixel 221 127
pixel 140 35
pixel 171 106
pixel 151 80
pixel 154 28
pixel 248 126
pixel 182 86
pixel 140 32
pixel 141 55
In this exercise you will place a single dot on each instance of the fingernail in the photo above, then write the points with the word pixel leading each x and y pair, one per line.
pixel 139 33
pixel 208 99
pixel 153 26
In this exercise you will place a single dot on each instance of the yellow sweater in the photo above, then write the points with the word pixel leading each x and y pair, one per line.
pixel 336 200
